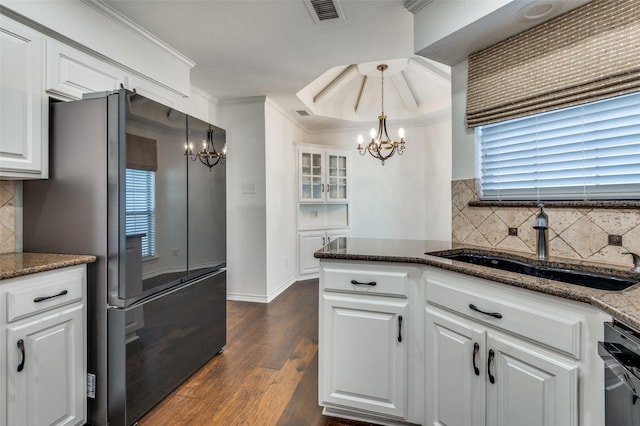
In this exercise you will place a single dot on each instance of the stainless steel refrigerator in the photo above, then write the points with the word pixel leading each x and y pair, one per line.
pixel 125 187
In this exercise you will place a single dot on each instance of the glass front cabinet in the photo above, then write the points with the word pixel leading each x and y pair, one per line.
pixel 323 202
pixel 323 176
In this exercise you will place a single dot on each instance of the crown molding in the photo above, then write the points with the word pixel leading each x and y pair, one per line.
pixel 111 13
pixel 203 94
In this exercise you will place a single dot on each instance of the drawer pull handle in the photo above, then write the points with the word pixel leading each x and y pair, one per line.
pixel 372 283
pixel 42 299
pixel 492 378
pixel 476 349
pixel 491 314
pixel 21 347
pixel 400 328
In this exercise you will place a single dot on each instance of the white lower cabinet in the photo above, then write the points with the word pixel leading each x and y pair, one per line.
pixel 367 372
pixel 310 242
pixel 476 376
pixel 369 347
pixel 43 370
pixel 467 352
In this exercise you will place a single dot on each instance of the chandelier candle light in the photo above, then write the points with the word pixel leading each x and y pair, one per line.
pixel 208 155
pixel 380 148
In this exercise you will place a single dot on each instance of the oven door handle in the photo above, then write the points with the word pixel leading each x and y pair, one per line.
pixel 611 354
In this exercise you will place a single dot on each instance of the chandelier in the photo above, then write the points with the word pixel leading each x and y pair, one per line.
pixel 208 155
pixel 381 145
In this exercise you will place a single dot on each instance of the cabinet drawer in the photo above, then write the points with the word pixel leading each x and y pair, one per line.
pixel 531 317
pixel 43 291
pixel 371 279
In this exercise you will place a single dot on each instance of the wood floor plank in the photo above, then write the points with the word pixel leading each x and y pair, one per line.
pixel 267 374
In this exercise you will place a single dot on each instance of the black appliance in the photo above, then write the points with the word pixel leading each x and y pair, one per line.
pixel 620 351
pixel 122 188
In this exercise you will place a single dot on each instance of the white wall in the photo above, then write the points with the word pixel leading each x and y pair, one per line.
pixel 246 199
pixel 281 135
pixel 410 196
pixel 463 139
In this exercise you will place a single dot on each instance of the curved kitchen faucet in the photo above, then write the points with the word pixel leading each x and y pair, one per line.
pixel 636 260
pixel 542 238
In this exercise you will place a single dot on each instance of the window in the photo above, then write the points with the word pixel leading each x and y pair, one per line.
pixel 585 152
pixel 141 209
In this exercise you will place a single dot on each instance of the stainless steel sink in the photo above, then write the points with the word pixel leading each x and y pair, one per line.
pixel 571 275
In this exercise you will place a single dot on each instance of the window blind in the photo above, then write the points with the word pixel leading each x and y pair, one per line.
pixel 587 54
pixel 140 208
pixel 586 152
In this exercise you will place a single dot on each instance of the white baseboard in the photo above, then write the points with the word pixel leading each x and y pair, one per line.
pixel 261 298
pixel 282 288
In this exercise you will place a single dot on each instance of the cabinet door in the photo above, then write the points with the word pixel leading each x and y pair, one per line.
pixel 72 73
pixel 50 388
pixel 363 353
pixel 311 173
pixel 23 106
pixel 310 242
pixel 531 387
pixel 455 370
pixel 337 179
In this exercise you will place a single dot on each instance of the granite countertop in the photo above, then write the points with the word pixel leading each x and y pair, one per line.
pixel 18 264
pixel 623 305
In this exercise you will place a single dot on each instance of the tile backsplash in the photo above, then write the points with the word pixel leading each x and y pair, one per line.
pixel 574 232
pixel 7 217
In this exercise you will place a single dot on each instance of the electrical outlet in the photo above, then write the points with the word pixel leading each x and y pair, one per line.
pixel 175 251
pixel 314 214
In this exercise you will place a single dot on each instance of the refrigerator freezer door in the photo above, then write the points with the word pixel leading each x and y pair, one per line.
pixel 156 344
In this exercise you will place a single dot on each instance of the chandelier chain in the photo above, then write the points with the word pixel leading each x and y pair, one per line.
pixel 382 88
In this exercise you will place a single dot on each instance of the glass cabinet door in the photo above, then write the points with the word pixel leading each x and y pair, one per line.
pixel 311 185
pixel 337 177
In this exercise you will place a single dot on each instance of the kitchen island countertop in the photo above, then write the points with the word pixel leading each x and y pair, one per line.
pixel 14 265
pixel 623 305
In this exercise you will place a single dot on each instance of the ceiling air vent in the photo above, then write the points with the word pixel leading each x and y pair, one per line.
pixel 324 10
pixel 302 113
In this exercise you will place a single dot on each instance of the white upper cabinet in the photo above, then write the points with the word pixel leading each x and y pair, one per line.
pixel 323 176
pixel 337 178
pixel 72 73
pixel 23 107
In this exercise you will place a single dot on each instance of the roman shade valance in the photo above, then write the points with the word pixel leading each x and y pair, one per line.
pixel 141 153
pixel 588 54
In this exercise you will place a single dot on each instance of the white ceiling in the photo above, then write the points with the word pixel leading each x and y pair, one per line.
pixel 275 48
pixel 246 48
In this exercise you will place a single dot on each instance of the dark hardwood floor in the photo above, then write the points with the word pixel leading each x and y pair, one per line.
pixel 267 374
